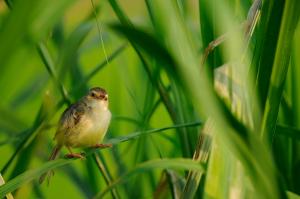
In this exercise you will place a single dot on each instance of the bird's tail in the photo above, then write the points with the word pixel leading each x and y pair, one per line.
pixel 49 173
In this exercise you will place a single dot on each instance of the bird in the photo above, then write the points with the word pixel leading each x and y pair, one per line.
pixel 82 124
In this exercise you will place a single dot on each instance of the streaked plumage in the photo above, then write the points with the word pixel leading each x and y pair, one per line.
pixel 83 124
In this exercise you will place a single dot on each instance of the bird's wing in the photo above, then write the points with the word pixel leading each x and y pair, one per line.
pixel 71 117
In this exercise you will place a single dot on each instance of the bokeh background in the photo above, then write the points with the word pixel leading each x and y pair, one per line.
pixel 239 140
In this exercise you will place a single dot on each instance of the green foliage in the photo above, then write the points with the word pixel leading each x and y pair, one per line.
pixel 166 65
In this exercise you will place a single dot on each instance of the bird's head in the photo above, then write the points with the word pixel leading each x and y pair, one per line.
pixel 97 95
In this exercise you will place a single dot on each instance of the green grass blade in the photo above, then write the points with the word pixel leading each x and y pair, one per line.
pixel 28 136
pixel 180 163
pixel 49 64
pixel 119 12
pixel 208 33
pixel 288 131
pixel 25 156
pixel 280 68
pixel 9 3
pixel 68 54
pixel 157 82
pixel 156 50
pixel 201 155
pixel 148 132
pixel 9 195
pixel 152 70
pixel 232 133
pixel 28 176
pixel 105 174
pixel 147 42
pixel 264 52
pixel 292 195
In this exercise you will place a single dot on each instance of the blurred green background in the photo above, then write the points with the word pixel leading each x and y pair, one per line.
pixel 231 110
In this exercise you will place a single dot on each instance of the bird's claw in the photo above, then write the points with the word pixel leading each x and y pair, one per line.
pixel 75 155
pixel 102 146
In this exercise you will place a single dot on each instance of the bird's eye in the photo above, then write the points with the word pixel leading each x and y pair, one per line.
pixel 93 95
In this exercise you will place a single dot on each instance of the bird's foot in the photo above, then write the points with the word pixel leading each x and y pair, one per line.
pixel 102 146
pixel 75 155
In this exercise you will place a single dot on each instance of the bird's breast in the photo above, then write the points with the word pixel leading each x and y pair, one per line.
pixel 93 128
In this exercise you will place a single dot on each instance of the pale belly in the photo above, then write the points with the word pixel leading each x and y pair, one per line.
pixel 90 131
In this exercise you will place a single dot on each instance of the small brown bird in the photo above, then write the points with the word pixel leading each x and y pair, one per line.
pixel 83 124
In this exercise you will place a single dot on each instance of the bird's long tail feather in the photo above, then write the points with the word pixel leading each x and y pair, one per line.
pixel 49 173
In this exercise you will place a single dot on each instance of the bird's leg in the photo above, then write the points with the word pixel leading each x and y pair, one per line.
pixel 73 155
pixel 102 146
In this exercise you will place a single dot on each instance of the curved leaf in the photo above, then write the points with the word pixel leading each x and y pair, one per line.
pixel 178 163
pixel 30 175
